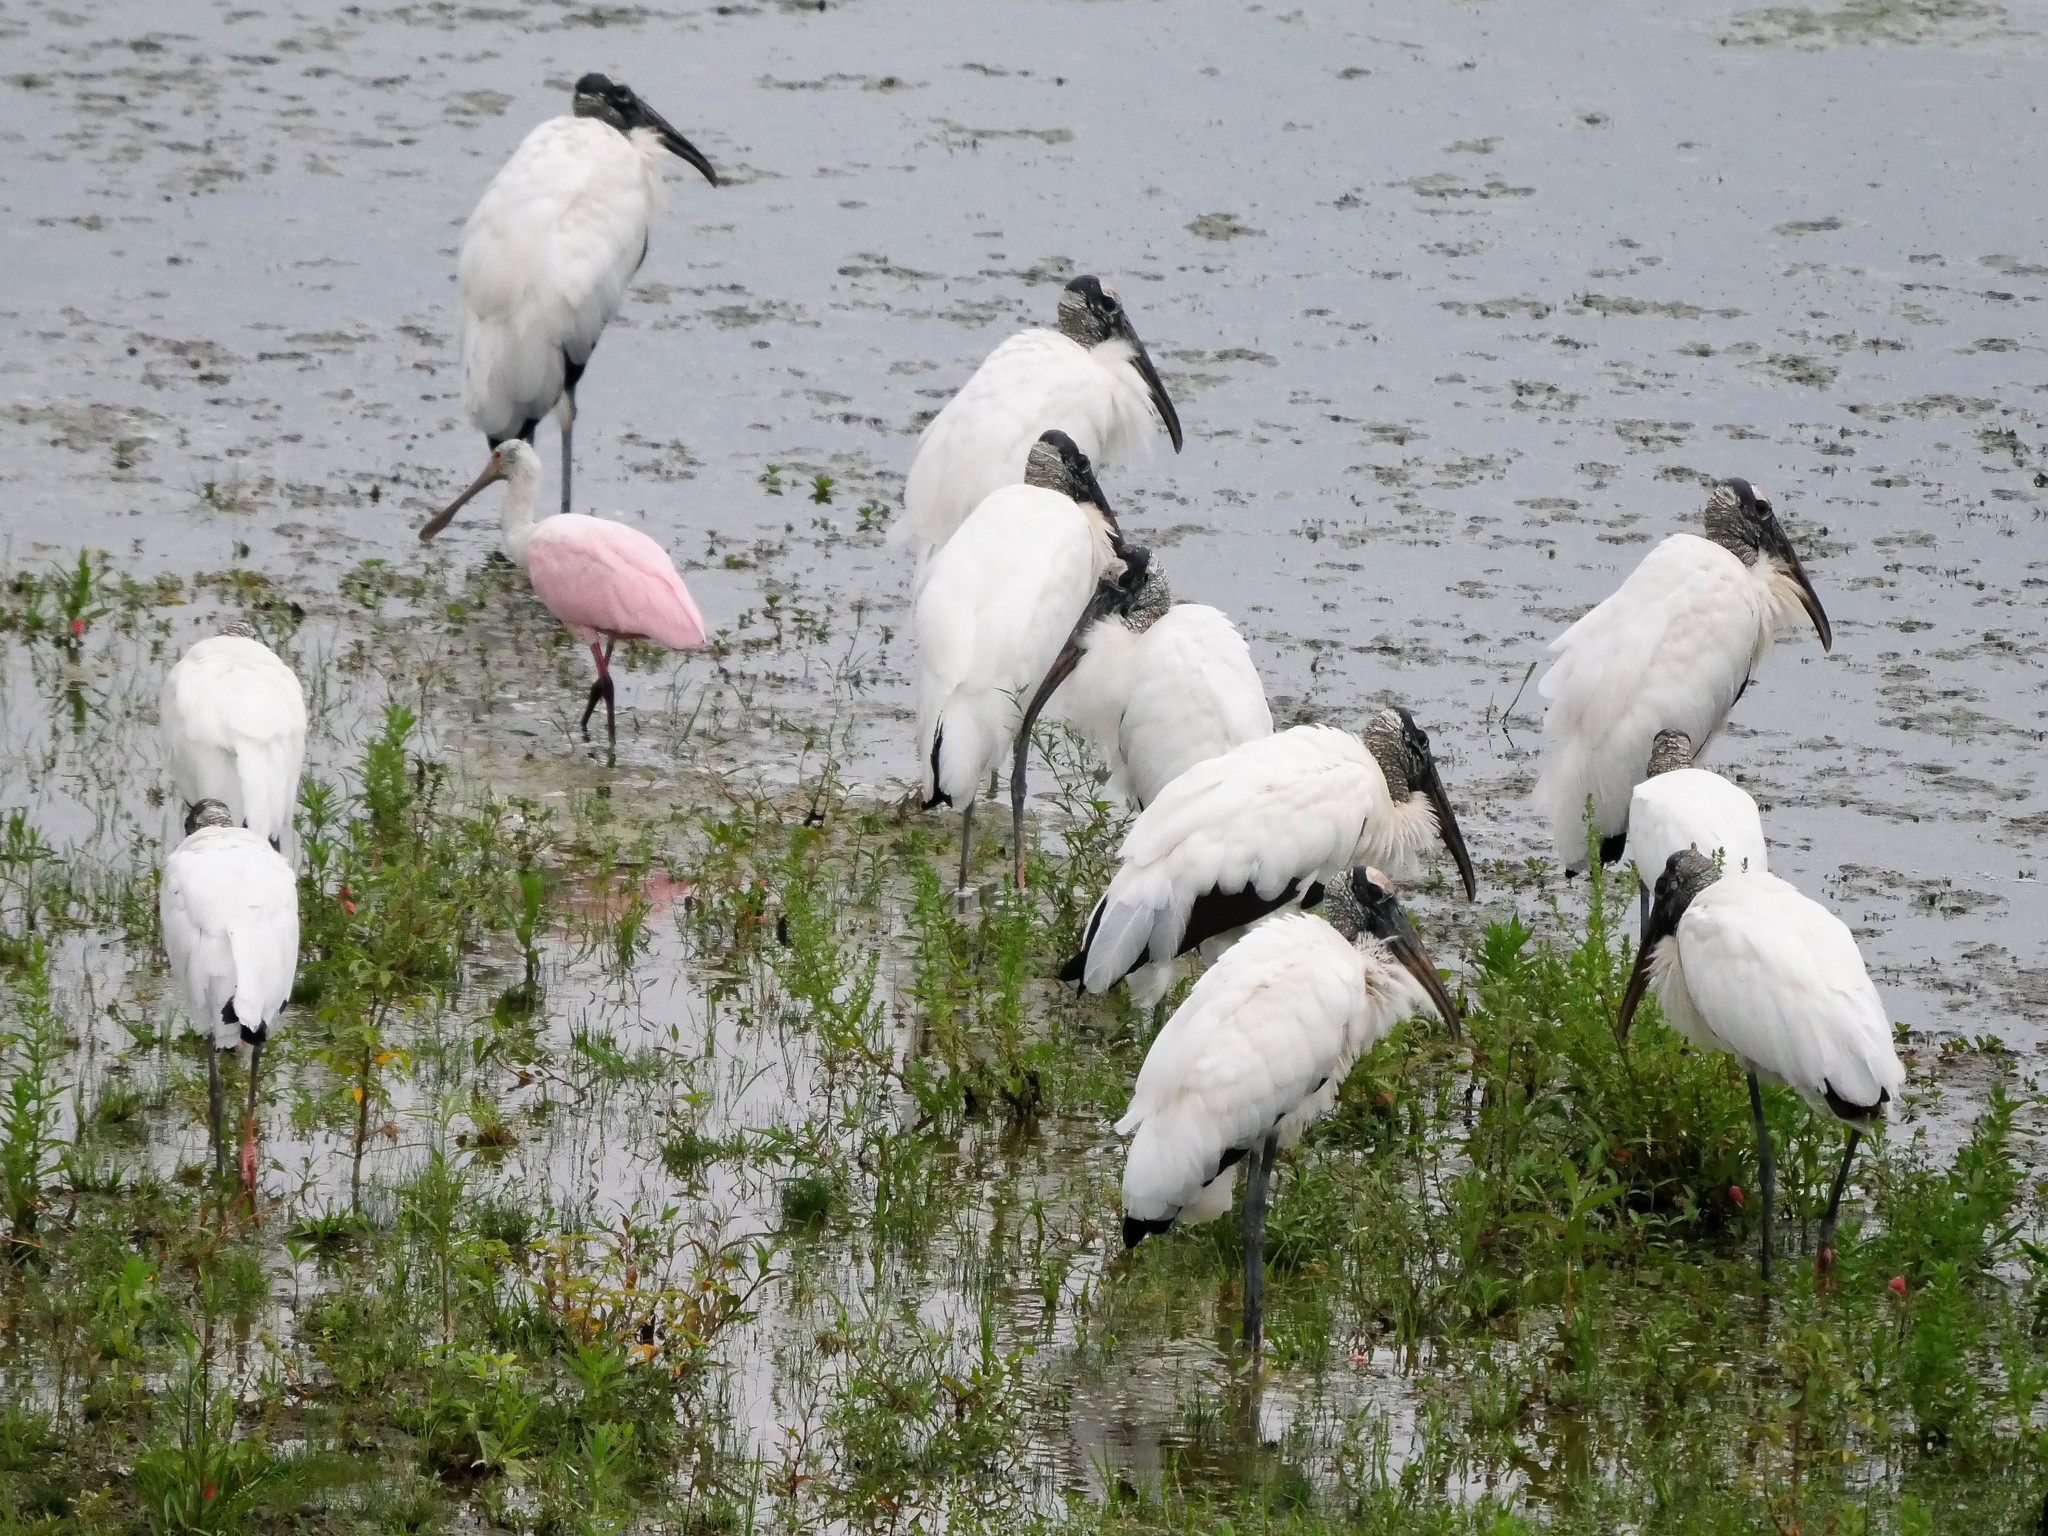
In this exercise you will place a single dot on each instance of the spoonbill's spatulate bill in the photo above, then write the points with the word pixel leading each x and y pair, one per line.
pixel 1160 686
pixel 1257 1054
pixel 234 725
pixel 603 580
pixel 548 252
pixel 1678 807
pixel 1265 825
pixel 1671 650
pixel 229 908
pixel 1090 379
pixel 997 604
pixel 1748 965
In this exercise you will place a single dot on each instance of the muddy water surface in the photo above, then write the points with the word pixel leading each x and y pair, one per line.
pixel 1459 303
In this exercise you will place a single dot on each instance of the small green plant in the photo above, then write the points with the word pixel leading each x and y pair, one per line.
pixel 771 479
pixel 821 488
pixel 31 1099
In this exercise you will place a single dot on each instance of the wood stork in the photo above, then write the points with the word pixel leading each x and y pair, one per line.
pixel 997 605
pixel 601 579
pixel 230 914
pixel 1680 806
pixel 1265 825
pixel 1091 379
pixel 1748 965
pixel 547 254
pixel 233 718
pixel 1257 1053
pixel 1158 686
pixel 1672 649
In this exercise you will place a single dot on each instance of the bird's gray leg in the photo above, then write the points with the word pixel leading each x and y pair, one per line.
pixel 1765 1176
pixel 213 1110
pixel 568 433
pixel 1825 1252
pixel 1258 1175
pixel 966 841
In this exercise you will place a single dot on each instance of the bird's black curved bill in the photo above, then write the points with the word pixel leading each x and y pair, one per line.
pixel 675 143
pixel 1808 598
pixel 1447 827
pixel 1161 401
pixel 1407 948
pixel 1107 595
pixel 1638 984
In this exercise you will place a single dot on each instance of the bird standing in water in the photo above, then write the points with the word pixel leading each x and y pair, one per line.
pixel 547 254
pixel 605 581
pixel 229 909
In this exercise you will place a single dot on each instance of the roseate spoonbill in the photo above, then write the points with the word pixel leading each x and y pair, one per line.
pixel 230 914
pixel 601 579
pixel 1158 686
pixel 1091 379
pixel 548 252
pixel 1257 1054
pixel 1672 649
pixel 1747 965
pixel 997 603
pixel 234 723
pixel 1680 806
pixel 1265 825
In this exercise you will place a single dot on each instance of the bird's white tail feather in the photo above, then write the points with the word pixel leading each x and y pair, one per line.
pixel 267 773
pixel 968 746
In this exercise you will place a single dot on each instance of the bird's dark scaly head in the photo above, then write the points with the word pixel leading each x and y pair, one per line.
pixel 1686 874
pixel 242 629
pixel 616 103
pixel 1365 911
pixel 1401 748
pixel 1056 463
pixel 1671 751
pixel 1150 597
pixel 1090 315
pixel 207 813
pixel 1742 521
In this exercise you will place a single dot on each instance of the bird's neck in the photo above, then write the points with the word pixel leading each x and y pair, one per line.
pixel 522 490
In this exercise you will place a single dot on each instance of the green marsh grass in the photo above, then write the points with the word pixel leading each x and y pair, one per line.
pixel 683 1158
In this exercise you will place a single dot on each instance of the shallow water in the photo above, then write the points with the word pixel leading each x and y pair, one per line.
pixel 1458 304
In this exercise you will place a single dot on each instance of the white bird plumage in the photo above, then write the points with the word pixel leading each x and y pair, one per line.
pixel 1257 1053
pixel 229 910
pixel 233 718
pixel 1679 806
pixel 1164 687
pixel 1090 379
pixel 998 605
pixel 1237 835
pixel 1672 649
pixel 1747 964
pixel 548 251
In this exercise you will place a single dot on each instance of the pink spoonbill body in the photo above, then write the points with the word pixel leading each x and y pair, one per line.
pixel 605 581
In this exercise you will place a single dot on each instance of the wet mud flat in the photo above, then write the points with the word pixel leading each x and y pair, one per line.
pixel 1458 306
